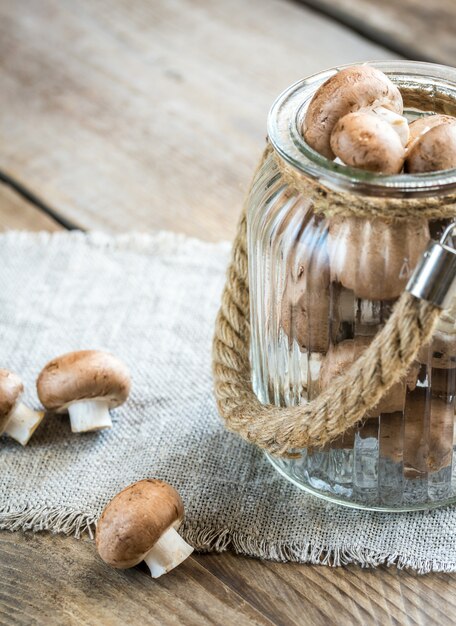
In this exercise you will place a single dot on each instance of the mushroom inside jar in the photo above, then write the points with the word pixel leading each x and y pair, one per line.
pixel 357 118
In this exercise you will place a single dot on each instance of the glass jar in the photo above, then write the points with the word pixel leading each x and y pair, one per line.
pixel 321 288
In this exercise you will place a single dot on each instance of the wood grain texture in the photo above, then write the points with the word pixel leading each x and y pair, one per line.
pixel 152 114
pixel 57 580
pixel 16 213
pixel 314 595
pixel 417 29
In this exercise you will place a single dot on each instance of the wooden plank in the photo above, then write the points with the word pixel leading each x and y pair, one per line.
pixel 317 595
pixel 16 213
pixel 147 115
pixel 416 29
pixel 58 581
pixel 152 114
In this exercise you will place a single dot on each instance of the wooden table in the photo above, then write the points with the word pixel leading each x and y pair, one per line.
pixel 121 115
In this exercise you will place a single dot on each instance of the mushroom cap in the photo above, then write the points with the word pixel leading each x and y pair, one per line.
pixel 135 519
pixel 421 125
pixel 305 304
pixel 373 257
pixel 398 123
pixel 341 356
pixel 307 321
pixel 11 389
pixel 433 151
pixel 349 90
pixel 368 142
pixel 83 375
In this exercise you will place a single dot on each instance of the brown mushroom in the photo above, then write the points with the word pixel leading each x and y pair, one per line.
pixel 421 125
pixel 374 257
pixel 305 304
pixel 367 141
pixel 139 524
pixel 86 384
pixel 433 150
pixel 399 123
pixel 349 90
pixel 16 419
pixel 341 356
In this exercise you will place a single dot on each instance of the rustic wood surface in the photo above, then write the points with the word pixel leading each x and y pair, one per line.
pixel 118 116
pixel 58 580
pixel 416 29
pixel 17 213
pixel 151 114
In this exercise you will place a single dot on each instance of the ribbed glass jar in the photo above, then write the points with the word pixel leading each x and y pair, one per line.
pixel 320 289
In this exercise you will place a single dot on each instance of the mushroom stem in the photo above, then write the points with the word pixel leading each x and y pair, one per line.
pixel 167 553
pixel 87 415
pixel 397 122
pixel 22 423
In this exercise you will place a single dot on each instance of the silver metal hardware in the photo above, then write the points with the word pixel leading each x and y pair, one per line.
pixel 434 278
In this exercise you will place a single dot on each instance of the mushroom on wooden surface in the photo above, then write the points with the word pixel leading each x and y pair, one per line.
pixel 87 384
pixel 349 90
pixel 140 524
pixel 16 419
pixel 373 257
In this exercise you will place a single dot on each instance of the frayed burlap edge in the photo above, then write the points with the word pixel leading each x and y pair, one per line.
pixel 205 539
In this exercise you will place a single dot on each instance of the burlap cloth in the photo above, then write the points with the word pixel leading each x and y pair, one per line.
pixel 152 300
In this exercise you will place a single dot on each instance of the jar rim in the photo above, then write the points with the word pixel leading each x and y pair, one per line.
pixel 286 114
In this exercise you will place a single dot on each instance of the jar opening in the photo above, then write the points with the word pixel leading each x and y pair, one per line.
pixel 425 87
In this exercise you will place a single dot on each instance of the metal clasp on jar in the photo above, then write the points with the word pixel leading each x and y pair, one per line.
pixel 434 278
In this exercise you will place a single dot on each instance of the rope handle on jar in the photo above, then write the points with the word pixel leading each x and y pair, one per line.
pixel 280 430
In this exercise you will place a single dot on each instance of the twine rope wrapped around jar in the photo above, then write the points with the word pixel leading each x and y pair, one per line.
pixel 280 430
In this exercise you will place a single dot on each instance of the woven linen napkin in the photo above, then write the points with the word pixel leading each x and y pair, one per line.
pixel 152 300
